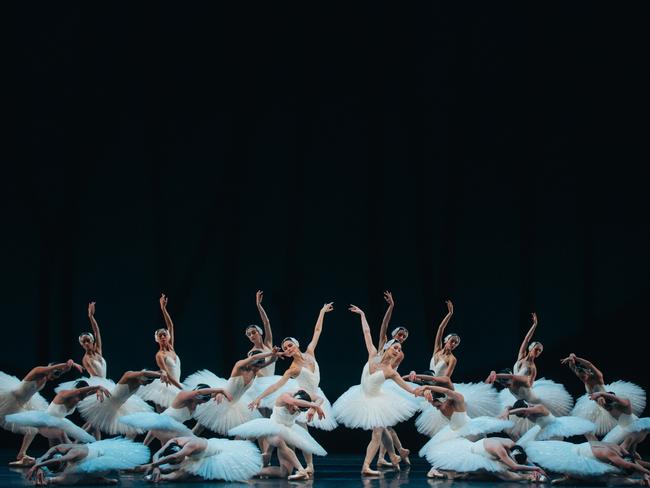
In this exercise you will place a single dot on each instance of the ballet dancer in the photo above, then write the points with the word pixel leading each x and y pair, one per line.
pixel 629 428
pixel 262 340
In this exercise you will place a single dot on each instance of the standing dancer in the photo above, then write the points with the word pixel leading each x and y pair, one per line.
pixel 443 361
pixel 168 361
pixel 306 372
pixel 370 406
pixel 522 384
pixel 594 381
pixel 20 396
pixel 262 340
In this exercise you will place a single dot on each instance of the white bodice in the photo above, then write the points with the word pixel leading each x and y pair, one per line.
pixel 267 371
pixel 59 410
pixel 236 387
pixel 180 414
pixel 439 367
pixel 93 451
pixel 458 420
pixel 478 447
pixel 281 415
pixel 309 381
pixel 121 392
pixel 99 365
pixel 173 366
pixel 520 368
pixel 626 419
pixel 27 389
pixel 584 450
pixel 371 383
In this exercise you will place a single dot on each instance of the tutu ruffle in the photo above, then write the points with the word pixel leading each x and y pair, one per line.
pixel 357 410
pixel 562 427
pixel 158 393
pixel 326 423
pixel 147 421
pixel 430 421
pixel 564 457
pixel 9 403
pixel 294 435
pixel 45 421
pixel 481 399
pixel 111 455
pixel 262 383
pixel 458 455
pixel 233 461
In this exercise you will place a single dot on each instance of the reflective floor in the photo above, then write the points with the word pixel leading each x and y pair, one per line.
pixel 335 471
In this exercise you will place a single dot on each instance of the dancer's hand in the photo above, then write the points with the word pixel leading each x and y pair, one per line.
pixel 327 307
pixel 491 377
pixel 419 391
pixel 450 307
pixel 534 316
pixel 388 296
pixel 31 472
pixel 164 378
pixel 218 397
pixel 227 395
pixel 155 475
pixel 78 367
pixel 258 297
pixel 315 410
pixel 571 358
pixel 355 309
pixel 163 301
pixel 412 376
pixel 91 309
pixel 102 393
pixel 428 396
pixel 255 404
pixel 505 415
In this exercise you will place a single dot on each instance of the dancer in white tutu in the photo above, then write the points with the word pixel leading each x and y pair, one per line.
pixel 104 415
pixel 452 406
pixel 262 340
pixel 494 457
pixel 93 360
pixel 163 394
pixel 443 361
pixel 170 423
pixel 88 463
pixel 370 406
pixel 594 381
pixel 305 371
pixel 52 423
pixel 630 430
pixel 208 459
pixel 282 432
pixel 20 396
pixel 522 384
pixel 220 416
pixel 548 426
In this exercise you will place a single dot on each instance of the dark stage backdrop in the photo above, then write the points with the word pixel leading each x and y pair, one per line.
pixel 491 155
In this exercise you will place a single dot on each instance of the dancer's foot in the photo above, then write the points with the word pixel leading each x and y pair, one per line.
pixel 560 480
pixel 23 462
pixel 300 475
pixel 310 470
pixel 366 471
pixel 382 463
pixel 434 473
pixel 404 454
pixel 395 459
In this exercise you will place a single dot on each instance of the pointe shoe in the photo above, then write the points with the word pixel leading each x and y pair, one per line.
pixel 382 463
pixel 300 475
pixel 434 473
pixel 395 459
pixel 310 470
pixel 23 462
pixel 366 471
pixel 404 454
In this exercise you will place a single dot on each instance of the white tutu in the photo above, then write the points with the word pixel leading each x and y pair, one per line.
pixel 221 417
pixel 561 427
pixel 92 381
pixel 158 393
pixel 111 455
pixel 104 415
pixel 326 423
pixel 563 457
pixel 463 456
pixel 10 403
pixel 45 421
pixel 225 460
pixel 590 410
pixel 263 382
pixel 430 421
pixel 626 425
pixel 293 435
pixel 148 421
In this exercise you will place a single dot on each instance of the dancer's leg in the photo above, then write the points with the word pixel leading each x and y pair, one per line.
pixel 371 451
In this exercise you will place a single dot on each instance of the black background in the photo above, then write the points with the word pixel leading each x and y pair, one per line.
pixel 488 153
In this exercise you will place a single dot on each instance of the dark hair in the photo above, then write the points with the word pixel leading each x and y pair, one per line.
pixel 518 454
pixel 437 395
pixel 427 372
pixel 520 404
pixel 257 362
pixel 81 384
pixel 206 396
pixel 201 386
pixel 609 401
pixel 302 395
pixel 503 382
pixel 172 448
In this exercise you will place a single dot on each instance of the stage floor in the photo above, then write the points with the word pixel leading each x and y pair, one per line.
pixel 335 471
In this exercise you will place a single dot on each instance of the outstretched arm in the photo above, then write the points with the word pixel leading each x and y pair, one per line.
pixel 403 384
pixel 523 349
pixel 383 336
pixel 439 380
pixel 372 351
pixel 318 328
pixel 236 370
pixel 95 327
pixel 185 451
pixel 438 345
pixel 508 461
pixel 271 389
pixel 168 319
pixel 609 396
pixel 589 365
pixel 39 371
pixel 268 335
pixel 454 395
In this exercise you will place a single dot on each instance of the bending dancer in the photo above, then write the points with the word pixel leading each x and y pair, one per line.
pixel 630 429
pixel 170 423
pixel 522 384
pixel 209 459
pixel 163 394
pixel 220 416
pixel 370 406
pixel 306 372
pixel 282 432
pixel 88 463
pixel 594 381
pixel 20 396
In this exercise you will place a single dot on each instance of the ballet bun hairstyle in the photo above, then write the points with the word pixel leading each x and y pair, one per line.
pixel 158 333
pixel 533 344
pixel 256 327
pixel 81 384
pixel 427 372
pixel 292 340
pixel 451 336
pixel 86 334
pixel 172 448
pixel 503 382
pixel 401 329
pixel 520 404
pixel 204 397
pixel 518 454
pixel 257 362
pixel 302 395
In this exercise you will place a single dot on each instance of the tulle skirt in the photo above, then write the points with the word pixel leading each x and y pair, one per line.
pixel 590 410
pixel 564 457
pixel 235 461
pixel 357 410
pixel 104 415
pixel 620 432
pixel 92 381
pixel 10 404
pixel 294 435
pixel 457 455
pixel 326 423
pixel 148 421
pixel 113 454
pixel 158 393
pixel 49 425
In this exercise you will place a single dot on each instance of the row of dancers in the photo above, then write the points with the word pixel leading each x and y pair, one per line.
pixel 510 426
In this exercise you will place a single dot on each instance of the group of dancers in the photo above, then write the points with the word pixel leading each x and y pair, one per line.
pixel 510 426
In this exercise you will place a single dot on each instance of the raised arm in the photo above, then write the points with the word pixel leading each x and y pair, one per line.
pixel 611 397
pixel 438 345
pixel 318 328
pixel 523 349
pixel 372 351
pixel 383 336
pixel 185 451
pixel 290 400
pixel 168 319
pixel 95 327
pixel 268 335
